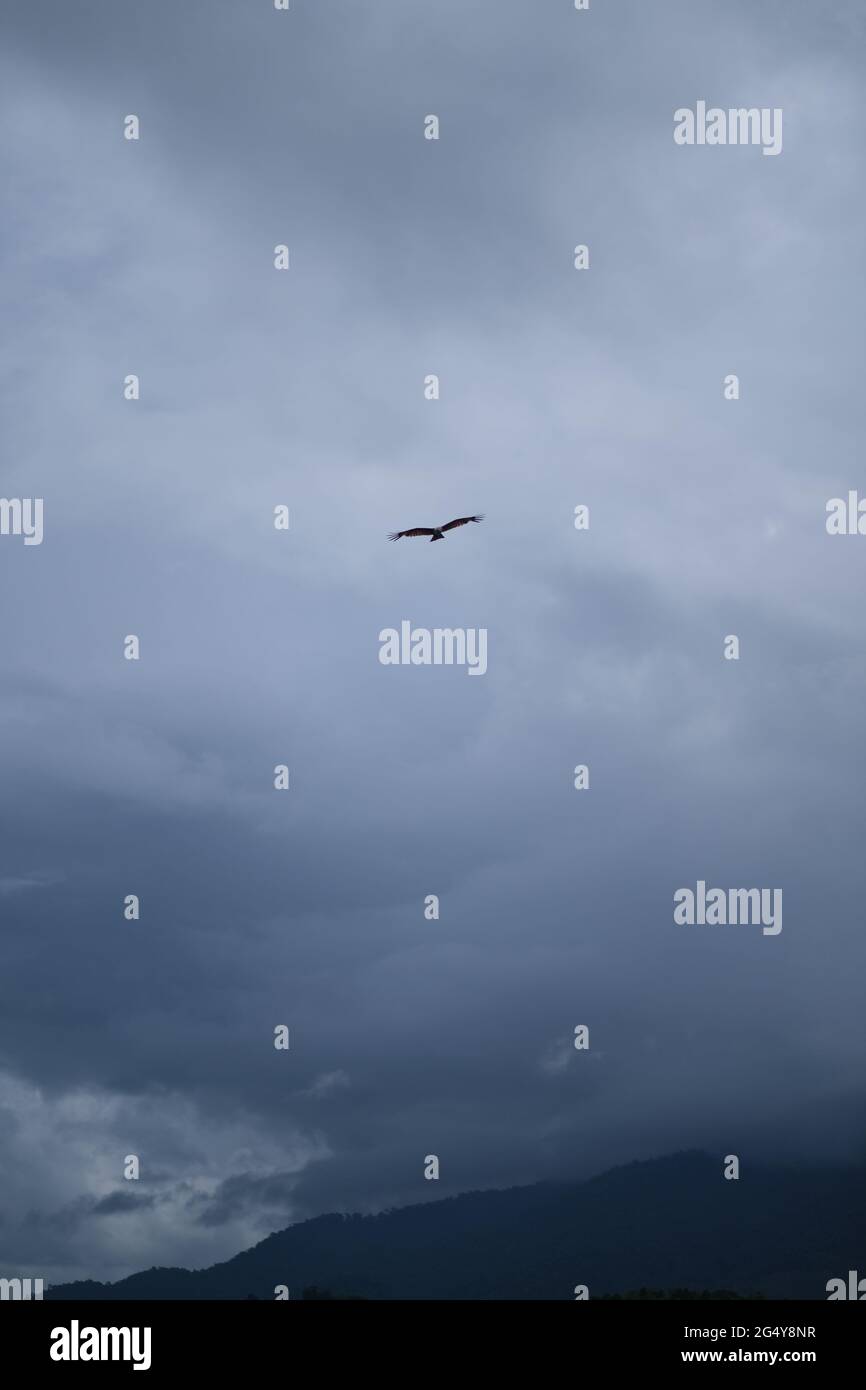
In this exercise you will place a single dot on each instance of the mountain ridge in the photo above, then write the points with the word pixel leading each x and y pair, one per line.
pixel 665 1223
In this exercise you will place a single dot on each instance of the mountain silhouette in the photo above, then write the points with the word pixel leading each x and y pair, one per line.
pixel 672 1223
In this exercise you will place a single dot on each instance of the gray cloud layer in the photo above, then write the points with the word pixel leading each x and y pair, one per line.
pixel 259 647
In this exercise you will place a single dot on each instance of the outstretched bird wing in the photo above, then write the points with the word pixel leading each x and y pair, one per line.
pixel 461 521
pixel 415 531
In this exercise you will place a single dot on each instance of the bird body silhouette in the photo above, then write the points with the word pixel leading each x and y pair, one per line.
pixel 436 533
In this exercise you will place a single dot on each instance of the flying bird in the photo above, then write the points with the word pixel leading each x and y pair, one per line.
pixel 436 533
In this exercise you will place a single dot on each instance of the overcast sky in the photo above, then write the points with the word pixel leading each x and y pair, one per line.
pixel 559 387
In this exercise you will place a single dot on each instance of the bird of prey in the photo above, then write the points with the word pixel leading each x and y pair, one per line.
pixel 436 533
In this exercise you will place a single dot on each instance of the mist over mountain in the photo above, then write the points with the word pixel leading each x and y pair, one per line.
pixel 670 1223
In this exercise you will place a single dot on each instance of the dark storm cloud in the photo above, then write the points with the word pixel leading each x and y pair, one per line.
pixel 118 1202
pixel 411 1037
pixel 244 1193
